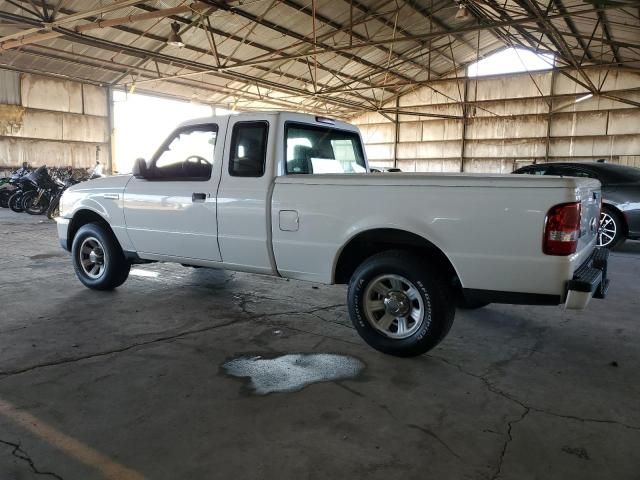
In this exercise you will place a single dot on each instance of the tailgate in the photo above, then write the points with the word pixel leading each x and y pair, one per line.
pixel 590 198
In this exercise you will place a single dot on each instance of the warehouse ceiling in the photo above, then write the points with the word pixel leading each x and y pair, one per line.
pixel 339 57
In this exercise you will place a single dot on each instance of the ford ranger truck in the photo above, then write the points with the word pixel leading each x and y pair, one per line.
pixel 292 195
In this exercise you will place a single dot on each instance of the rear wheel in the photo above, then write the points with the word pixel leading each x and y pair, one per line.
pixel 399 304
pixel 611 231
pixel 98 259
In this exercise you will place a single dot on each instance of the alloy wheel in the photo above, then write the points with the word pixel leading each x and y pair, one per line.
pixel 607 231
pixel 92 257
pixel 393 306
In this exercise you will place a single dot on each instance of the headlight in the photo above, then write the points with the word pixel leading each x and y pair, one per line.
pixel 62 205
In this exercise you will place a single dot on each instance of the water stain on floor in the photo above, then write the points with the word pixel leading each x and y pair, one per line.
pixel 42 256
pixel 292 372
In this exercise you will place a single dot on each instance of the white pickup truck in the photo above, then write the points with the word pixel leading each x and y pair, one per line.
pixel 292 195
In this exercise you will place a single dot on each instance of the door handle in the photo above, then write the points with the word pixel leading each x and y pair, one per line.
pixel 198 197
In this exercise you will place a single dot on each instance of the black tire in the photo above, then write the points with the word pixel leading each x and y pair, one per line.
pixel 115 266
pixel 469 304
pixel 438 306
pixel 5 194
pixel 54 208
pixel 15 202
pixel 28 205
pixel 612 228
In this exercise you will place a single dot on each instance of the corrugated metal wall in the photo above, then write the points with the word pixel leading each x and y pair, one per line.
pixel 9 88
pixel 54 122
pixel 511 120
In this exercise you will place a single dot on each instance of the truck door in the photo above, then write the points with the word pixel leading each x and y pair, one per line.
pixel 172 210
pixel 244 217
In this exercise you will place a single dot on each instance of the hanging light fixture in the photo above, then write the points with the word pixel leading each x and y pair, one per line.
pixel 583 98
pixel 174 38
pixel 462 11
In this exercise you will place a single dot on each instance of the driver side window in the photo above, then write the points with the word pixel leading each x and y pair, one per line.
pixel 187 155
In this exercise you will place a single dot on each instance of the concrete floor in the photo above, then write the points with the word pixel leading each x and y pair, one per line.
pixel 129 384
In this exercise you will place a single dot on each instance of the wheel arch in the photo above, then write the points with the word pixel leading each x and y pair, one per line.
pixel 82 217
pixel 613 207
pixel 369 242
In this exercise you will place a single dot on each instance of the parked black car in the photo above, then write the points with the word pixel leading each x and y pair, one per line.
pixel 620 218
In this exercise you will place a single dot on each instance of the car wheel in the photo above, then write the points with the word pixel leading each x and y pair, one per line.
pixel 399 304
pixel 610 233
pixel 98 259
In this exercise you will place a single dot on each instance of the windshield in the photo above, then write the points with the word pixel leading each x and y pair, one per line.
pixel 317 150
pixel 619 174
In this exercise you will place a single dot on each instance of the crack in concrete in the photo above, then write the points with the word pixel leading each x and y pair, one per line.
pixel 492 388
pixel 350 327
pixel 519 355
pixel 7 373
pixel 433 435
pixel 19 453
pixel 256 316
pixel 389 412
pixel 508 440
pixel 250 316
pixel 526 409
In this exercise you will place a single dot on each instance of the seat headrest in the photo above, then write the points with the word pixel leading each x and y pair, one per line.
pixel 302 152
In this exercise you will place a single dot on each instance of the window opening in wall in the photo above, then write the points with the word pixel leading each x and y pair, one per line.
pixel 511 60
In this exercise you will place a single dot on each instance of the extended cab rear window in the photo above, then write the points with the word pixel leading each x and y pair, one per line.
pixel 314 150
pixel 248 149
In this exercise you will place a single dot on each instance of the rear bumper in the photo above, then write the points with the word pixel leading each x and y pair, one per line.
pixel 589 280
pixel 63 229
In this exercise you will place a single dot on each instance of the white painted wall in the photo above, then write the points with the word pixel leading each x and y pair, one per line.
pixel 507 124
pixel 54 122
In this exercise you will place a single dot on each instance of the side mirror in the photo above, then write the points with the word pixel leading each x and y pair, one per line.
pixel 140 169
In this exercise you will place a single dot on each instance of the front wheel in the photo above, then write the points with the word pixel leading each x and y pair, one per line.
pixel 15 202
pixel 610 233
pixel 54 208
pixel 98 259
pixel 35 203
pixel 5 195
pixel 399 304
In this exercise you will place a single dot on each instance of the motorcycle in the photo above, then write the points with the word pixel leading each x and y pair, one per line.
pixel 39 191
pixel 54 205
pixel 23 185
pixel 37 200
pixel 11 186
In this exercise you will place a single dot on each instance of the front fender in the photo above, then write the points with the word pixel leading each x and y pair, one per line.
pixel 108 203
pixel 72 203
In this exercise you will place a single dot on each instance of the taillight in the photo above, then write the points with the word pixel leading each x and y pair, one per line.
pixel 562 229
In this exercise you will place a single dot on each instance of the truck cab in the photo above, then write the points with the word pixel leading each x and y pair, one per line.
pixel 171 200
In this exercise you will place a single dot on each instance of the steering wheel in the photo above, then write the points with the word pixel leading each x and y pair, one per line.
pixel 200 160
